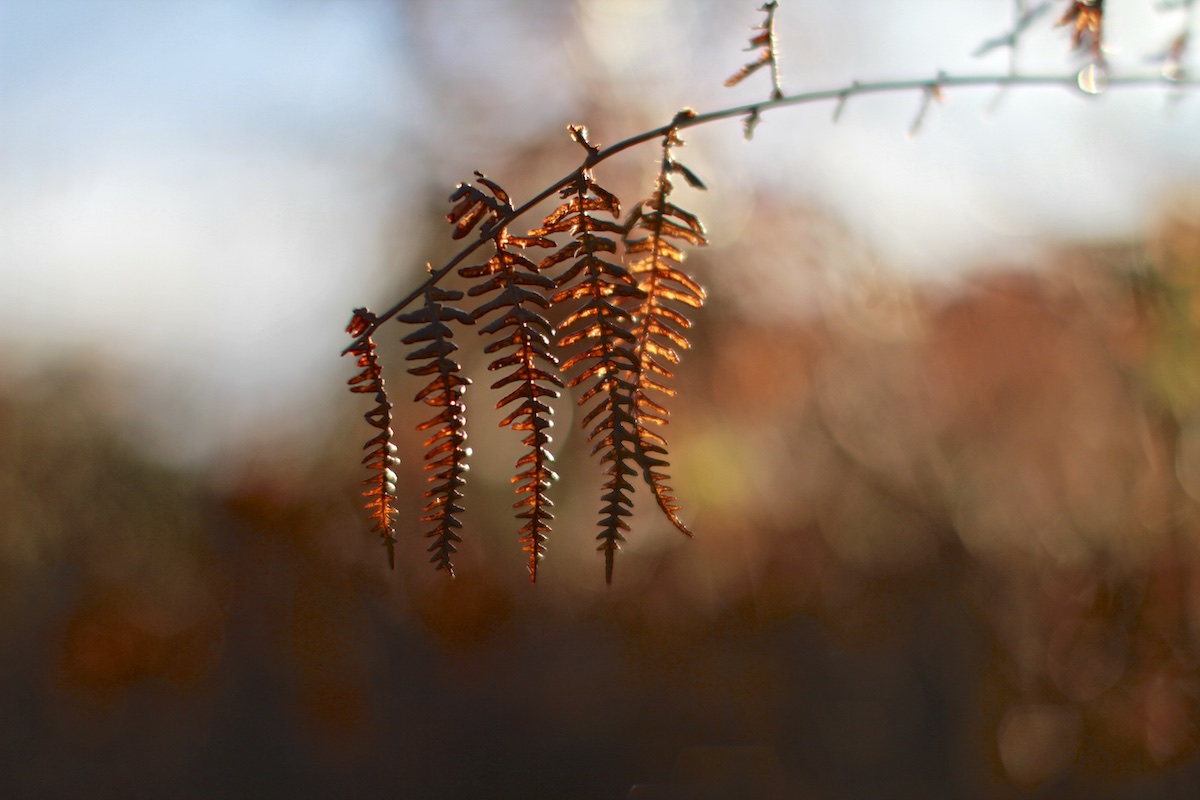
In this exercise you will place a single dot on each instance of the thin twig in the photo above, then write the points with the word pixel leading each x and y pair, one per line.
pixel 773 45
pixel 681 122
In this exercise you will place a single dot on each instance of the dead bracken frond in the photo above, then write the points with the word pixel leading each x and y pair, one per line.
pixel 602 326
pixel 661 329
pixel 1087 19
pixel 381 451
pixel 473 206
pixel 524 339
pixel 447 454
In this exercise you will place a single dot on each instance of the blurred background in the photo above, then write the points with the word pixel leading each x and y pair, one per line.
pixel 938 436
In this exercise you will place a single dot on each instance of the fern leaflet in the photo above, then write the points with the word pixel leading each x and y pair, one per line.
pixel 1087 19
pixel 381 451
pixel 447 454
pixel 525 334
pixel 471 206
pixel 602 325
pixel 660 332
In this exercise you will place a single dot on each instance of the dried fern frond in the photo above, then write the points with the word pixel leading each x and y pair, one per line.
pixel 1087 18
pixel 524 340
pixel 661 329
pixel 764 38
pixel 602 326
pixel 448 453
pixel 472 206
pixel 381 451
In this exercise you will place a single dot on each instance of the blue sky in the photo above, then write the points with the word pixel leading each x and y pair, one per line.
pixel 210 186
pixel 194 185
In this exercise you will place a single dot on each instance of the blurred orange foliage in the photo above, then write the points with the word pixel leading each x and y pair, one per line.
pixel 945 546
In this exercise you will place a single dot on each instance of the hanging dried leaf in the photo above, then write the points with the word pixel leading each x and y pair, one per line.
pixel 602 325
pixel 447 452
pixel 473 206
pixel 1087 19
pixel 523 338
pixel 381 451
pixel 661 329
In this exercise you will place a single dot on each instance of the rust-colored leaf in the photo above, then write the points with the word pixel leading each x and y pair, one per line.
pixel 381 451
pixel 524 333
pixel 1086 17
pixel 447 453
pixel 471 206
pixel 602 323
pixel 660 330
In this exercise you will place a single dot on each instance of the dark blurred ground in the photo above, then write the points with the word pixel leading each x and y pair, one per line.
pixel 945 547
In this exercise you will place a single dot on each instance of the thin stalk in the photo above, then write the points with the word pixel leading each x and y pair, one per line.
pixel 683 121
